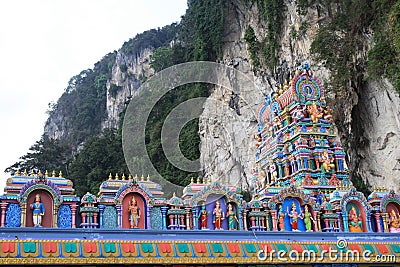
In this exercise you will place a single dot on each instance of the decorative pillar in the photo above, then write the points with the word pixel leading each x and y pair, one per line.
pixel 55 212
pixel 369 228
pixel 345 221
pixel 378 221
pixel 315 222
pixel 95 219
pixel 274 226
pixel 73 214
pixel 23 214
pixel 101 213
pixel 195 218
pixel 319 221
pixel 267 220
pixel 187 218
pixel 3 213
pixel 163 217
pixel 339 222
pixel 242 218
pixel 119 215
pixel 385 222
pixel 148 218
pixel 84 219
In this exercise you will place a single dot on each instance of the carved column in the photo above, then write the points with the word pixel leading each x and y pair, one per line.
pixel 187 210
pixel 3 213
pixel 369 228
pixel 101 213
pixel 73 214
pixel 23 214
pixel 55 215
pixel 163 217
pixel 267 220
pixel 319 222
pixel 195 218
pixel 148 224
pixel 274 226
pixel 378 221
pixel 385 222
pixel 242 219
pixel 119 215
pixel 315 222
pixel 95 219
pixel 345 222
pixel 339 222
pixel 84 219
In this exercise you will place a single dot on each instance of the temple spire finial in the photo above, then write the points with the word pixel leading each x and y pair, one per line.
pixel 60 174
pixel 53 173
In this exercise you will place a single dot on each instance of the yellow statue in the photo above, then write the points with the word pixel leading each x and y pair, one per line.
pixel 314 112
pixel 134 213
pixel 355 224
pixel 327 162
pixel 394 222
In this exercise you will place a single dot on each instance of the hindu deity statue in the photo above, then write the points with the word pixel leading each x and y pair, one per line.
pixel 281 218
pixel 328 114
pixel 355 223
pixel 394 222
pixel 203 216
pixel 232 219
pixel 314 112
pixel 38 211
pixel 294 216
pixel 134 213
pixel 326 161
pixel 218 216
pixel 308 219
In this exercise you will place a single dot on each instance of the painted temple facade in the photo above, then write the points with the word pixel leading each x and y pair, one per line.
pixel 300 183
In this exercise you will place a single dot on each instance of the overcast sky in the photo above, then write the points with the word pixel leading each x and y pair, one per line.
pixel 43 43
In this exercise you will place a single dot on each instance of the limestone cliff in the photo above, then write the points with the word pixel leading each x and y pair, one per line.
pixel 128 73
pixel 367 114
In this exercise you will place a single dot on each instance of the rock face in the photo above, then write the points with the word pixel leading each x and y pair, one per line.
pixel 369 116
pixel 376 129
pixel 128 73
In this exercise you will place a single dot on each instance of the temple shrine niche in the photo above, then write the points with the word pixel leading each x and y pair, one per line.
pixel 39 200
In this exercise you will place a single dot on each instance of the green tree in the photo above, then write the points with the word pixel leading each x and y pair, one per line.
pixel 100 155
pixel 46 154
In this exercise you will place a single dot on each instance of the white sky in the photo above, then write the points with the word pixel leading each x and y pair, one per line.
pixel 43 43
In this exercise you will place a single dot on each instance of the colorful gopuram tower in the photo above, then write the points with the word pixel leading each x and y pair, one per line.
pixel 299 153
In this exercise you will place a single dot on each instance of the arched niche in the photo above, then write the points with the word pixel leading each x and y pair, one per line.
pixel 357 200
pixel 50 197
pixel 47 200
pixel 144 202
pixel 283 202
pixel 208 195
pixel 210 207
pixel 141 204
pixel 390 203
